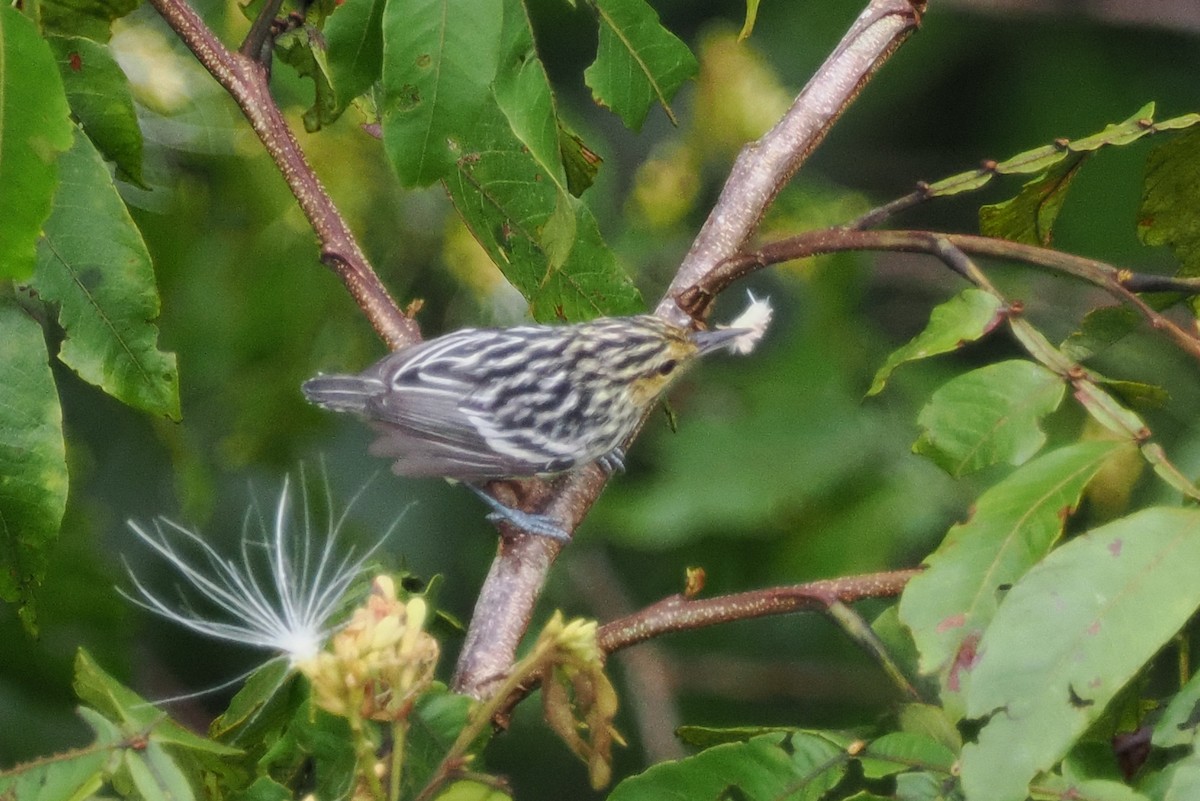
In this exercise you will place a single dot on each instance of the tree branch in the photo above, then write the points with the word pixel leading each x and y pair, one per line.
pixel 1120 283
pixel 245 79
pixel 506 600
pixel 679 613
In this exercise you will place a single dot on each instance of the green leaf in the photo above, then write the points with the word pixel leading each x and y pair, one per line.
pixel 439 61
pixel 931 721
pixel 135 714
pixel 989 416
pixel 33 461
pixel 34 128
pixel 1044 158
pixel 709 736
pixel 1169 213
pixel 90 18
pixel 318 739
pixel 1178 724
pixel 638 62
pixel 1013 526
pixel 964 318
pixel 93 264
pixel 1185 782
pixel 98 92
pixel 438 718
pixel 72 776
pixel 303 49
pixel 798 766
pixel 156 776
pixel 468 790
pixel 517 217
pixel 522 92
pixel 1053 786
pixel 900 751
pixel 1029 217
pixel 1068 636
pixel 354 49
pixel 264 702
pixel 265 788
pixel 580 162
pixel 1101 329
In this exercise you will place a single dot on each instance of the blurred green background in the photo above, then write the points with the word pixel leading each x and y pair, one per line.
pixel 779 471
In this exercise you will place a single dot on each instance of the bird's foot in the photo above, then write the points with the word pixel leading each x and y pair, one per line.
pixel 613 461
pixel 539 525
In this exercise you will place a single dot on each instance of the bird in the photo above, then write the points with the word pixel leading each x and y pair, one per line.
pixel 481 404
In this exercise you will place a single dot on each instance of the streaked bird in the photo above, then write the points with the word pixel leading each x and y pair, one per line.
pixel 482 404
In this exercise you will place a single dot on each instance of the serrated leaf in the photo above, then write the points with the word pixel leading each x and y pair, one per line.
pixel 90 18
pixel 93 264
pixel 989 416
pixel 98 92
pixel 1169 213
pixel 964 318
pixel 439 61
pixel 638 62
pixel 354 49
pixel 499 191
pixel 35 127
pixel 1014 525
pixel 33 461
pixel 1029 217
pixel 798 766
pixel 303 49
pixel 1068 637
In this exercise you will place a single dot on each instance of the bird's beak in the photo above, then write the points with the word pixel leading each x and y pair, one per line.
pixel 709 341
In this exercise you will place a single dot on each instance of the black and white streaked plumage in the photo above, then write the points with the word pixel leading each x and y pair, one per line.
pixel 481 404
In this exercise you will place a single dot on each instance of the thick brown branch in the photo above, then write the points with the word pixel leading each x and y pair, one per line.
pixel 246 81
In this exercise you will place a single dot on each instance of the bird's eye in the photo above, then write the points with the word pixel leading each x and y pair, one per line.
pixel 666 367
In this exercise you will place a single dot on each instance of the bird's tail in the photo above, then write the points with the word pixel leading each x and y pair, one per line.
pixel 342 393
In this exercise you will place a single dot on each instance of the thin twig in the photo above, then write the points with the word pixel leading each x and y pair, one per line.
pixel 245 78
pixel 678 613
pixel 1120 283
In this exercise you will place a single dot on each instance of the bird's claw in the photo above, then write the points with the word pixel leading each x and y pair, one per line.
pixel 538 525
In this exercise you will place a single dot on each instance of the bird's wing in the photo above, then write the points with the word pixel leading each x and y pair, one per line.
pixel 425 424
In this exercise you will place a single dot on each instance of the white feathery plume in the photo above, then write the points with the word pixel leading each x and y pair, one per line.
pixel 282 594
pixel 755 319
